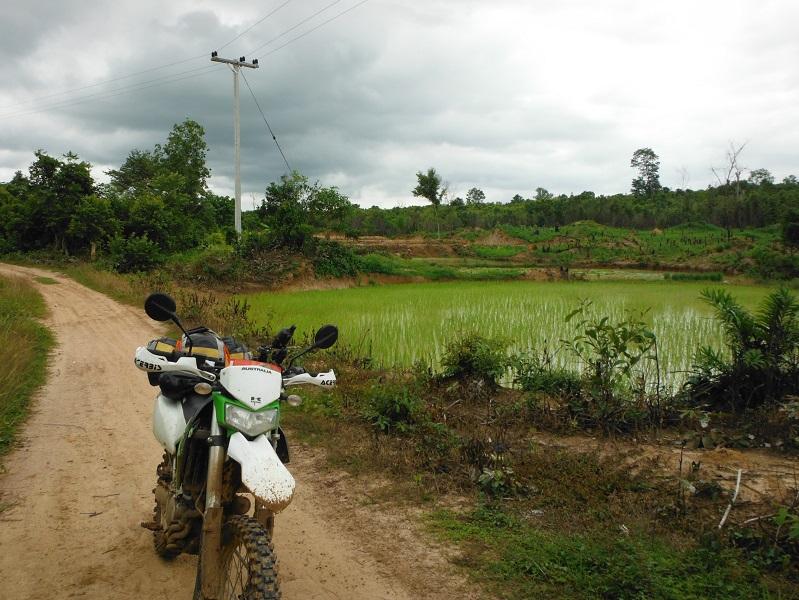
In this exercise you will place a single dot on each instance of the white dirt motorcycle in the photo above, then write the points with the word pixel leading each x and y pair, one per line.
pixel 217 417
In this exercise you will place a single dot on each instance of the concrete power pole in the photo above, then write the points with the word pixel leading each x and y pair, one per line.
pixel 235 65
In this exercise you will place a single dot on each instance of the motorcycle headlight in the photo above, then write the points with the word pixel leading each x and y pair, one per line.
pixel 248 422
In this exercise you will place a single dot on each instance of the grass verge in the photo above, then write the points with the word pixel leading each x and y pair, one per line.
pixel 27 342
pixel 530 519
pixel 519 560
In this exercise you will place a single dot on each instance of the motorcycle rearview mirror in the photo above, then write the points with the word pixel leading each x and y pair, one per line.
pixel 160 307
pixel 325 337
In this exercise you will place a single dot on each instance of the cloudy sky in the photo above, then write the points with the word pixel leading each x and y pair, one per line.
pixel 505 95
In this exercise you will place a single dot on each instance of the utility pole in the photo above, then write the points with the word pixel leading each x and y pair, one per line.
pixel 235 66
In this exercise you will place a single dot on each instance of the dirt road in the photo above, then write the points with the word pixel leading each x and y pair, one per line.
pixel 81 482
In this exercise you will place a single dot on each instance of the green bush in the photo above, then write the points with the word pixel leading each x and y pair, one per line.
pixel 763 349
pixel 393 408
pixel 135 254
pixel 610 353
pixel 771 264
pixel 537 374
pixel 475 357
pixel 253 243
pixel 331 259
pixel 216 263
pixel 378 263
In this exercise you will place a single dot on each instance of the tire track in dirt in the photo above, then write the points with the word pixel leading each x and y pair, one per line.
pixel 81 482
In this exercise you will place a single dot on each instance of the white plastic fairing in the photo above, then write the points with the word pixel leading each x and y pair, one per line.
pixel 254 385
pixel 154 363
pixel 320 379
pixel 168 422
pixel 262 471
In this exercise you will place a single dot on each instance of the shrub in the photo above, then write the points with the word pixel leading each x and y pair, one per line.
pixel 535 373
pixel 216 263
pixel 763 363
pixel 331 259
pixel 252 243
pixel 135 254
pixel 609 353
pixel 475 357
pixel 500 481
pixel 393 408
pixel 378 263
pixel 771 264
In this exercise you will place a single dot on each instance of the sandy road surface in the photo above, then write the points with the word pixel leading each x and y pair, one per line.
pixel 81 483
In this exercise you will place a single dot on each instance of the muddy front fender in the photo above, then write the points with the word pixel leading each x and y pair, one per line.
pixel 262 472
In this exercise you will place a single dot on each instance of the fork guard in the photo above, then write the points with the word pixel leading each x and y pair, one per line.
pixel 262 472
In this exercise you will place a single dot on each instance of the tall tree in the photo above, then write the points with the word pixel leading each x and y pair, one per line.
pixel 136 173
pixel 761 176
pixel 430 187
pixel 57 188
pixel 648 180
pixel 184 153
pixel 475 196
pixel 92 222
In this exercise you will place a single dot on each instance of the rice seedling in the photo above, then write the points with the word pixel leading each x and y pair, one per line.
pixel 404 324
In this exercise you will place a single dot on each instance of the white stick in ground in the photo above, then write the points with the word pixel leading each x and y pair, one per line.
pixel 732 500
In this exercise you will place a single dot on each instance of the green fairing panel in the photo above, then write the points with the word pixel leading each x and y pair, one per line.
pixel 220 400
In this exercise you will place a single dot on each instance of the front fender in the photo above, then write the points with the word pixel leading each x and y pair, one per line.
pixel 262 471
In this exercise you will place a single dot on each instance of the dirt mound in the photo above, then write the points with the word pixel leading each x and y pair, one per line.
pixel 498 237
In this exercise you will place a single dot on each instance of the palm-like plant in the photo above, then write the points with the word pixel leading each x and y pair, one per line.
pixel 762 365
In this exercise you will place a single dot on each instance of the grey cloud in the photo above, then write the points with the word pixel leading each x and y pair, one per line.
pixel 505 95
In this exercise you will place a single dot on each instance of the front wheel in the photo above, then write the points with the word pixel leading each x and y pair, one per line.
pixel 248 569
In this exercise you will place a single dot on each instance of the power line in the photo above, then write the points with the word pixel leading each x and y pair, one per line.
pixel 131 87
pixel 263 116
pixel 258 22
pixel 99 83
pixel 167 79
pixel 322 24
pixel 112 95
pixel 290 29
pixel 144 71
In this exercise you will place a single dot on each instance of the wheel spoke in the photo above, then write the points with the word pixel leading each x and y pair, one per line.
pixel 246 548
pixel 236 573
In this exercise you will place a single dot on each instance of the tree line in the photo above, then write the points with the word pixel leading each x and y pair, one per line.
pixel 736 202
pixel 157 203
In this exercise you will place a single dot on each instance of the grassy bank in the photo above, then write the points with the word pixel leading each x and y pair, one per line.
pixel 27 343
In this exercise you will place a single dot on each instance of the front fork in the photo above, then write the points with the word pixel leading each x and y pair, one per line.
pixel 212 519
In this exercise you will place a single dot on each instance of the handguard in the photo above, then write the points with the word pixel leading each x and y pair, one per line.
pixel 320 379
pixel 154 363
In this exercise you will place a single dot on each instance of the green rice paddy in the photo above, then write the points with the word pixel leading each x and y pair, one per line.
pixel 401 324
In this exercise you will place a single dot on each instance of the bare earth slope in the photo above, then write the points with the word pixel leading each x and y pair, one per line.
pixel 81 482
